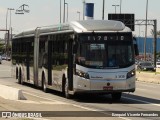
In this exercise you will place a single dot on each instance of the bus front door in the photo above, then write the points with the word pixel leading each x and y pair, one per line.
pixel 70 65
pixel 28 60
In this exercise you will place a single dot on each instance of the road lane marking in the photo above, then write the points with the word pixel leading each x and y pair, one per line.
pixel 141 89
pixel 97 110
pixel 5 70
pixel 42 102
pixel 55 101
pixel 82 107
pixel 142 101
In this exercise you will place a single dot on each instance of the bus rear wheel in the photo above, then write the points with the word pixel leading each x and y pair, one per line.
pixel 116 96
pixel 44 87
pixel 20 80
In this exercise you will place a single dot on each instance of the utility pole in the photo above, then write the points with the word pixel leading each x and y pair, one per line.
pixel 120 6
pixel 10 29
pixel 83 8
pixel 79 14
pixel 154 24
pixel 115 7
pixel 155 42
pixel 103 10
pixel 146 31
pixel 67 11
pixel 60 12
pixel 64 12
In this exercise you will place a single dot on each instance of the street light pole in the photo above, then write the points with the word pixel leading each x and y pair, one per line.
pixel 146 31
pixel 64 12
pixel 155 42
pixel 120 6
pixel 115 7
pixel 60 12
pixel 103 10
pixel 67 11
pixel 79 14
pixel 6 18
pixel 144 40
pixel 10 19
pixel 83 8
pixel 8 36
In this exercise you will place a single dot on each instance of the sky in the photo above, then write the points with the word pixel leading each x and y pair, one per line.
pixel 47 12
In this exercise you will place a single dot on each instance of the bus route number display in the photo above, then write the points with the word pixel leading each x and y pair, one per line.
pixel 106 37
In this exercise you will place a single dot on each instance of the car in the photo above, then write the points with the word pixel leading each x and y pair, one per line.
pixel 146 66
pixel 8 58
pixel 158 64
pixel 3 57
pixel 0 59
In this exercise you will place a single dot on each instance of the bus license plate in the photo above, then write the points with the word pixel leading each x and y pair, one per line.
pixel 108 88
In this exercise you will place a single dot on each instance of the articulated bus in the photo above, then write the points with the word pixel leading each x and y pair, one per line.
pixel 91 56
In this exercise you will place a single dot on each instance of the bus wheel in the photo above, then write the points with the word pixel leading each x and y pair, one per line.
pixel 44 87
pixel 116 96
pixel 16 74
pixel 66 91
pixel 20 80
pixel 19 77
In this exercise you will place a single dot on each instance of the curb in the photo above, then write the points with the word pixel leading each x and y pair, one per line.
pixel 11 93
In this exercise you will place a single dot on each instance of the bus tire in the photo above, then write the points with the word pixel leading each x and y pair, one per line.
pixel 116 96
pixel 16 73
pixel 20 80
pixel 66 91
pixel 19 77
pixel 44 87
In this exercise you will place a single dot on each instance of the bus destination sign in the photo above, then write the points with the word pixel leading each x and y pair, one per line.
pixel 106 37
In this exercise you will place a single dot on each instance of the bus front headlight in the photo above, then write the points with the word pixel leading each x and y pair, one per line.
pixel 82 74
pixel 131 73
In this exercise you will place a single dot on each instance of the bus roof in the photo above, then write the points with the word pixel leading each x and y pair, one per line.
pixel 97 25
pixel 79 27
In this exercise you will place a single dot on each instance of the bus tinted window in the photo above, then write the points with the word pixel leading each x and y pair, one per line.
pixel 96 53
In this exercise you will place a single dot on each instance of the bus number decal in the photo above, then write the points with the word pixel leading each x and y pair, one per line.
pixel 89 38
pixel 122 37
pixel 105 37
pixel 120 76
pixel 99 37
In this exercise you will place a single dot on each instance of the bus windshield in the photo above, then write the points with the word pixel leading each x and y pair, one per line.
pixel 106 54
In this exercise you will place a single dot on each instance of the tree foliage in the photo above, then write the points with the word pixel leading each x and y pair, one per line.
pixel 1 47
pixel 152 32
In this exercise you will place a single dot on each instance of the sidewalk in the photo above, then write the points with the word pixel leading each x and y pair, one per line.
pixel 150 77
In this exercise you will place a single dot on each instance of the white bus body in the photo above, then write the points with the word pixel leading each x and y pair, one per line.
pixel 75 58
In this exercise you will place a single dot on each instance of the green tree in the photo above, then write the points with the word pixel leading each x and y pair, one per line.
pixel 1 47
pixel 152 32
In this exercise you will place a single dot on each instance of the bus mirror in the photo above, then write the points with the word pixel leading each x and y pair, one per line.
pixel 136 49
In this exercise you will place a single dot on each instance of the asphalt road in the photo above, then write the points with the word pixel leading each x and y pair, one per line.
pixel 145 98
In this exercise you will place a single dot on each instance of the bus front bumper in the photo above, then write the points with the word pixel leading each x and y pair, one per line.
pixel 80 91
pixel 104 86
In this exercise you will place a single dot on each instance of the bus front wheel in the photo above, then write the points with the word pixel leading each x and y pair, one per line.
pixel 116 96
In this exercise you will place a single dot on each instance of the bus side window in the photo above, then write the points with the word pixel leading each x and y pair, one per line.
pixel 45 60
